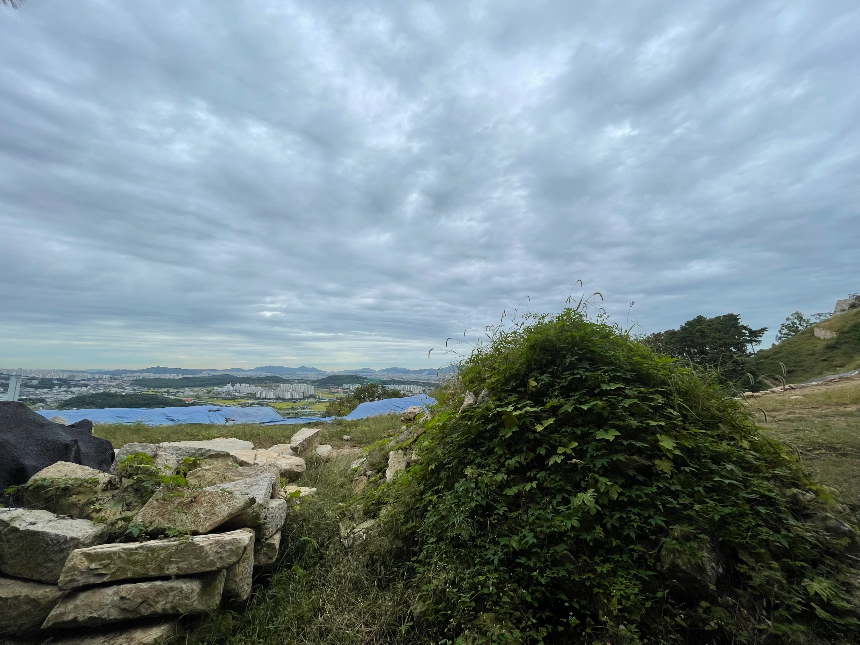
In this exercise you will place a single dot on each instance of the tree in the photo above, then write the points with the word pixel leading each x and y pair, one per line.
pixel 722 343
pixel 794 324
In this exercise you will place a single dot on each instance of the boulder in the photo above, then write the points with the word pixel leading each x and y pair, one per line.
pixel 397 461
pixel 103 605
pixel 218 445
pixel 240 575
pixel 69 489
pixel 282 449
pixel 290 468
pixel 24 605
pixel 155 559
pixel 35 544
pixel 197 511
pixel 324 452
pixel 266 551
pixel 410 414
pixel 29 443
pixel 305 441
pixel 258 489
pixel 171 455
pixel 822 333
pixel 224 474
pixel 149 449
pixel 276 515
pixel 59 420
pixel 146 635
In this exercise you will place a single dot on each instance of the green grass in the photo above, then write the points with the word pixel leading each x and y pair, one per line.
pixel 806 357
pixel 363 432
pixel 823 425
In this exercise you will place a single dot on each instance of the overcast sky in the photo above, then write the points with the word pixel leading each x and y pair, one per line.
pixel 214 183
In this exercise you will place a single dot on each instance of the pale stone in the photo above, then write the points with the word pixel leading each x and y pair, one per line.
pixel 149 449
pixel 240 575
pixel 102 605
pixel 324 452
pixel 266 551
pixel 288 492
pixel 346 437
pixel 358 463
pixel 197 511
pixel 148 635
pixel 153 559
pixel 35 544
pixel 290 468
pixel 397 461
pixel 305 441
pixel 222 474
pixel 282 449
pixel 276 515
pixel 68 470
pixel 823 334
pixel 24 605
pixel 468 401
pixel 58 419
pixel 245 457
pixel 259 489
pixel 222 444
pixel 171 455
pixel 410 414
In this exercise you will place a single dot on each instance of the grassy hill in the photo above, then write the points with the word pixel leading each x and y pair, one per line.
pixel 101 400
pixel 806 357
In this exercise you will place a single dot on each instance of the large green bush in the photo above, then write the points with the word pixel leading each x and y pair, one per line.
pixel 600 493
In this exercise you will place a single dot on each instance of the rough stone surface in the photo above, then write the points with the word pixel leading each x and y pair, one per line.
pixel 150 449
pixel 287 492
pixel 276 514
pixel 35 544
pixel 397 461
pixel 240 575
pixel 324 452
pixel 146 635
pixel 358 463
pixel 282 449
pixel 845 305
pixel 410 414
pixel 198 511
pixel 60 420
pixel 823 334
pixel 224 474
pixel 483 397
pixel 290 468
pixel 305 441
pixel 218 445
pixel 266 551
pixel 259 489
pixel 170 455
pixel 154 559
pixel 24 605
pixel 69 489
pixel 468 401
pixel 29 443
pixel 103 605
pixel 67 470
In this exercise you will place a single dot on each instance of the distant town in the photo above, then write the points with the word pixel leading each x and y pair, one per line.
pixel 293 391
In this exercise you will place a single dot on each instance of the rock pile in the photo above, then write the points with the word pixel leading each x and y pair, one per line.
pixel 173 529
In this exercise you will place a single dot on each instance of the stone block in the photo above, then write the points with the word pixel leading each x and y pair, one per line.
pixel 240 575
pixel 276 515
pixel 266 551
pixel 224 474
pixel 305 441
pixel 66 488
pixel 258 489
pixel 290 468
pixel 197 511
pixel 116 603
pixel 282 449
pixel 219 445
pixel 410 414
pixel 35 544
pixel 149 449
pixel 287 492
pixel 397 461
pixel 171 455
pixel 145 635
pixel 24 605
pixel 153 559
pixel 324 452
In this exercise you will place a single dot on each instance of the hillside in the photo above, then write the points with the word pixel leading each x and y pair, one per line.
pixel 806 357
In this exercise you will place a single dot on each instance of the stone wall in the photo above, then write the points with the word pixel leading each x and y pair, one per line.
pixel 175 529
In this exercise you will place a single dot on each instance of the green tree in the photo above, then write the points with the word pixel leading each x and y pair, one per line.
pixel 794 324
pixel 721 343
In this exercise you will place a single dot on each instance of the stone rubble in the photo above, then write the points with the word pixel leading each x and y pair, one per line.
pixel 305 441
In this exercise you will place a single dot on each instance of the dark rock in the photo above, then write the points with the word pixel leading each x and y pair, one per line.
pixel 29 443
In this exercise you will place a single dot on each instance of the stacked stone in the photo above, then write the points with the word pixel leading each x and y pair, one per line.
pixel 59 571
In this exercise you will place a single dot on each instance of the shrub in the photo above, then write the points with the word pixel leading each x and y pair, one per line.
pixel 603 493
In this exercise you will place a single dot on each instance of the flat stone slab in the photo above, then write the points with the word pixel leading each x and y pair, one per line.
pixel 305 441
pixel 289 467
pixel 197 511
pixel 171 455
pixel 221 445
pixel 282 449
pixel 149 449
pixel 155 559
pixel 276 515
pixel 259 489
pixel 35 544
pixel 266 551
pixel 148 635
pixel 68 470
pixel 210 476
pixel 104 605
pixel 240 575
pixel 25 605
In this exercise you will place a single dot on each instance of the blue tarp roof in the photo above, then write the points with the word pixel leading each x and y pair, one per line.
pixel 227 415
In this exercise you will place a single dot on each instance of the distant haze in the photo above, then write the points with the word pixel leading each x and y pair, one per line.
pixel 235 184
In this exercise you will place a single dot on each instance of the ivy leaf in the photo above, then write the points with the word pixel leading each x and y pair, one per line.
pixel 666 443
pixel 510 419
pixel 543 425
pixel 609 435
pixel 664 465
pixel 532 384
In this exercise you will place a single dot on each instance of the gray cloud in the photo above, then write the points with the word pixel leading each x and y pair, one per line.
pixel 238 183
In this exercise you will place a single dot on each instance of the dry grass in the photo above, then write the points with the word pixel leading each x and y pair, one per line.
pixel 823 426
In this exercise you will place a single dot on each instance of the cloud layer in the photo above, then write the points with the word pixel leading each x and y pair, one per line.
pixel 237 183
